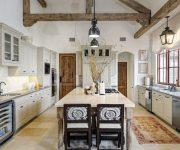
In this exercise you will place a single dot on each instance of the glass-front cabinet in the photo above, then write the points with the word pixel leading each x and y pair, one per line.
pixel 10 46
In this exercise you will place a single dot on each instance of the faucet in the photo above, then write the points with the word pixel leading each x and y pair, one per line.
pixel 172 87
pixel 1 90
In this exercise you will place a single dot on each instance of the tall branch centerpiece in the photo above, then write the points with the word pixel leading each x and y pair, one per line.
pixel 97 68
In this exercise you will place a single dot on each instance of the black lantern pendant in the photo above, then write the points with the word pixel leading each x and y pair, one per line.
pixel 94 31
pixel 167 36
pixel 94 43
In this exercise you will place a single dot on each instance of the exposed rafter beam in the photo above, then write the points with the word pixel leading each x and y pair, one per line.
pixel 88 6
pixel 42 3
pixel 136 6
pixel 83 17
pixel 160 14
pixel 26 7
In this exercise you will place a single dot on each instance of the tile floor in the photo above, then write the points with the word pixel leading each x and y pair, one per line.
pixel 41 134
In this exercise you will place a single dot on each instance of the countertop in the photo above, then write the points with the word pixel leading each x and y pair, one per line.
pixel 20 94
pixel 162 90
pixel 77 96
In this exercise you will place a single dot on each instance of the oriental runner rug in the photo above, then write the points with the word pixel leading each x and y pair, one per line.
pixel 148 130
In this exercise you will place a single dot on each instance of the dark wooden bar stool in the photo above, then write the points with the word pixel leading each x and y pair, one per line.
pixel 110 121
pixel 77 119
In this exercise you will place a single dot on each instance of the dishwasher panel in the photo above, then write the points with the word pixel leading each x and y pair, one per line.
pixel 176 113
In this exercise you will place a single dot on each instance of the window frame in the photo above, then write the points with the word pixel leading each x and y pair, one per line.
pixel 167 67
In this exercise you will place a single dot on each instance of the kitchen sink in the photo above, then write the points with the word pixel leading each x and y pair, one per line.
pixel 11 94
pixel 168 90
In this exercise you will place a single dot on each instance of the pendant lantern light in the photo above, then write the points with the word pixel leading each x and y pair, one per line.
pixel 167 36
pixel 94 31
pixel 94 43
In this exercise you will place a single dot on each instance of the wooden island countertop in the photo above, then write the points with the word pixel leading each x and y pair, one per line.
pixel 77 96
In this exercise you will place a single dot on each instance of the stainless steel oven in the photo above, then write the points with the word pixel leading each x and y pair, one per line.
pixel 7 125
pixel 148 96
pixel 47 68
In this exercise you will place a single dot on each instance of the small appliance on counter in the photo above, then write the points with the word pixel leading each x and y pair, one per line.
pixel 102 88
pixel 31 86
pixel 148 80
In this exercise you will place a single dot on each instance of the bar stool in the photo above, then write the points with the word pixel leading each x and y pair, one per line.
pixel 77 119
pixel 110 120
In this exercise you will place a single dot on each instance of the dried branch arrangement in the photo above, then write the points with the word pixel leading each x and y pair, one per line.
pixel 97 68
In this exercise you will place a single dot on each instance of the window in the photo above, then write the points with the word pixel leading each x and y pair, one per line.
pixel 168 66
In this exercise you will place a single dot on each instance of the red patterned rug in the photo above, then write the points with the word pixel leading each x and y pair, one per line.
pixel 149 130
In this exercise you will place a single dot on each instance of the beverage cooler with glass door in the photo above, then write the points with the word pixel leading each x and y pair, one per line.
pixel 6 120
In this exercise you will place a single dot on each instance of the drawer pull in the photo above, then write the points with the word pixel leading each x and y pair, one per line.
pixel 21 106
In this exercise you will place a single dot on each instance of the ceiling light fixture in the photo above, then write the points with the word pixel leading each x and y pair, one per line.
pixel 94 43
pixel 167 36
pixel 94 31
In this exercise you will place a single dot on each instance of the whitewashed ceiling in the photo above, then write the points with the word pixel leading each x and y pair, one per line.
pixel 78 6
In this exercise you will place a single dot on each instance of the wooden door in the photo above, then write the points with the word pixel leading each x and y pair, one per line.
pixel 67 72
pixel 122 78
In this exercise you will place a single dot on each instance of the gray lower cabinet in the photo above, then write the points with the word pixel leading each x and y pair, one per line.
pixel 162 106
pixel 29 106
pixel 141 96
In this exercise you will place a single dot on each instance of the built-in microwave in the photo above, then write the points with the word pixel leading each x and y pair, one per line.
pixel 47 68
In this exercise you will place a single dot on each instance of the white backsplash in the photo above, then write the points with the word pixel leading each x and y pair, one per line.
pixel 14 83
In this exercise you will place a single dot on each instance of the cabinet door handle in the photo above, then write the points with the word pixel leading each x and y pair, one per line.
pixel 33 101
pixel 21 106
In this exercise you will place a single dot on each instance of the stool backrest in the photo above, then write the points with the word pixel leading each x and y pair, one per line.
pixel 77 113
pixel 110 113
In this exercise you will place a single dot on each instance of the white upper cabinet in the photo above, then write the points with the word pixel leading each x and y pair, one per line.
pixel 28 63
pixel 10 46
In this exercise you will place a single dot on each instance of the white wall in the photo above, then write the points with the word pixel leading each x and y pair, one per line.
pixel 128 57
pixel 55 35
pixel 174 24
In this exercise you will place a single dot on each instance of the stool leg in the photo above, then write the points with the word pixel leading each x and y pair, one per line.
pixel 68 139
pixel 65 141
pixel 119 139
pixel 89 139
pixel 97 140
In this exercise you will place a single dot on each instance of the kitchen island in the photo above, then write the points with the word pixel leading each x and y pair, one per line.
pixel 77 96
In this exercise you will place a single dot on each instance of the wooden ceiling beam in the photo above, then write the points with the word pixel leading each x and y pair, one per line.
pixel 26 11
pixel 88 6
pixel 42 3
pixel 82 17
pixel 160 14
pixel 26 7
pixel 136 6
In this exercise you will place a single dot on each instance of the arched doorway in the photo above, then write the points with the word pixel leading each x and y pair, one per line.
pixel 126 74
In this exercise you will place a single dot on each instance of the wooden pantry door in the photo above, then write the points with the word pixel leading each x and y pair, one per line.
pixel 67 73
pixel 122 78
